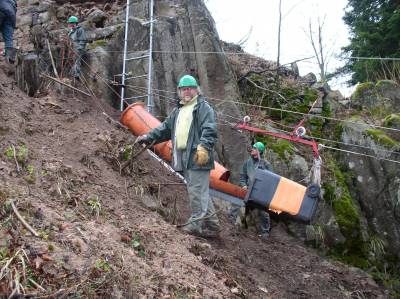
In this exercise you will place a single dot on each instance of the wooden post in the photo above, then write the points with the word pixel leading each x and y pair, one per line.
pixel 27 73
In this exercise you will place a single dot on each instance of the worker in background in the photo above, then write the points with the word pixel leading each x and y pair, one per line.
pixel 8 10
pixel 78 37
pixel 247 175
pixel 193 132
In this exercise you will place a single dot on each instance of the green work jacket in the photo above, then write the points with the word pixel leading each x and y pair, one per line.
pixel 203 130
pixel 249 170
pixel 78 37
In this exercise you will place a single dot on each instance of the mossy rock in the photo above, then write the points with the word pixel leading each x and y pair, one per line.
pixel 392 120
pixel 289 92
pixel 283 148
pixel 315 124
pixel 338 131
pixel 326 109
pixel 383 84
pixel 355 117
pixel 380 111
pixel 362 89
pixel 381 138
pixel 310 95
pixel 356 250
pixel 347 216
pixel 98 43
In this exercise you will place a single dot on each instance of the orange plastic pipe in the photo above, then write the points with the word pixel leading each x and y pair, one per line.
pixel 228 188
pixel 140 122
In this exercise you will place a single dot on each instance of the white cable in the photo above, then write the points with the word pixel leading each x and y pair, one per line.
pixel 359 154
pixel 356 145
pixel 372 58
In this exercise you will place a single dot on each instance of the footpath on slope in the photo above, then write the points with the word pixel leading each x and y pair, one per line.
pixel 111 234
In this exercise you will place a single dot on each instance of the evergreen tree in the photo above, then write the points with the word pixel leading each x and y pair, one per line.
pixel 374 32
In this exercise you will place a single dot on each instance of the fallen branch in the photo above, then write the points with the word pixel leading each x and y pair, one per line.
pixel 65 84
pixel 266 89
pixel 114 122
pixel 163 184
pixel 52 59
pixel 27 226
pixel 298 60
pixel 3 271
pixel 37 285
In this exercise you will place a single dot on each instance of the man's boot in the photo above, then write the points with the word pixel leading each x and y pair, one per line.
pixel 265 224
pixel 192 229
pixel 211 229
pixel 10 54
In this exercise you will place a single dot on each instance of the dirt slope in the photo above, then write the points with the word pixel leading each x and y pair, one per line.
pixel 68 155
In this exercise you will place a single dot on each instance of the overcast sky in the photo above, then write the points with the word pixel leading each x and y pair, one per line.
pixel 235 19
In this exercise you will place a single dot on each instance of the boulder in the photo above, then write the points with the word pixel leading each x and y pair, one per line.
pixel 310 79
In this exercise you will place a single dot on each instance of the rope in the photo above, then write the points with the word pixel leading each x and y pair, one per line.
pixel 357 145
pixel 357 153
pixel 316 171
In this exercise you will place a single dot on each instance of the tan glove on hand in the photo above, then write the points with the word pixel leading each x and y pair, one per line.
pixel 201 156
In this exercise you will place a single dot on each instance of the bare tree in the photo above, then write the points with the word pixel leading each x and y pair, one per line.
pixel 279 36
pixel 245 38
pixel 320 50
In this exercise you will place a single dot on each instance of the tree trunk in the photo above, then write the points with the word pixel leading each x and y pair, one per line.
pixel 27 73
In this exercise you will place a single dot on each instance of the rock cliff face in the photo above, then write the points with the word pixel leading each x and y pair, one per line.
pixel 374 183
pixel 185 41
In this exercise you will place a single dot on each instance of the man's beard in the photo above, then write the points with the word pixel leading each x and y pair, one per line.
pixel 187 99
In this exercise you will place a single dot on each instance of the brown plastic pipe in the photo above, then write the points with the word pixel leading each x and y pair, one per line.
pixel 140 122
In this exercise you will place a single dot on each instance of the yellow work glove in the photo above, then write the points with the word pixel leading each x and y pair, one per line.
pixel 201 156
